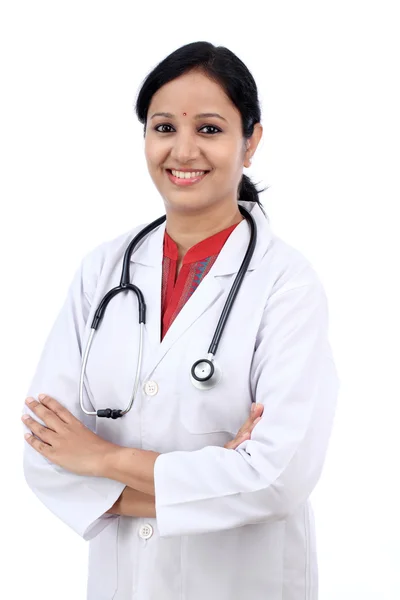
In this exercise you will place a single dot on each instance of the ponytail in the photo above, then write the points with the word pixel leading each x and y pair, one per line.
pixel 248 192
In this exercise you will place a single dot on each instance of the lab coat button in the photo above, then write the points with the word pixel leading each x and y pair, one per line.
pixel 146 531
pixel 150 388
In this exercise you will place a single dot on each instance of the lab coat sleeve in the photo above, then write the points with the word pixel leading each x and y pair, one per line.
pixel 79 501
pixel 293 375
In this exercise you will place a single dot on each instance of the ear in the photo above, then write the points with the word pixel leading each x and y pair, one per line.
pixel 252 143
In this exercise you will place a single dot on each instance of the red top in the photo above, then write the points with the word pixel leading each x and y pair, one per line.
pixel 196 263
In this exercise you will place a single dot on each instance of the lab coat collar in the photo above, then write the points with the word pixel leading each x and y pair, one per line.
pixel 150 250
pixel 231 256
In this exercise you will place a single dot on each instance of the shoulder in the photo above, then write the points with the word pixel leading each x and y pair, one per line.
pixel 295 300
pixel 288 267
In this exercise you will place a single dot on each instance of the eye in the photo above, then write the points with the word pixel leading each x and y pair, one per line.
pixel 216 129
pixel 162 125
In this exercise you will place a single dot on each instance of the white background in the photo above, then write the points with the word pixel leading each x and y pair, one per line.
pixel 74 175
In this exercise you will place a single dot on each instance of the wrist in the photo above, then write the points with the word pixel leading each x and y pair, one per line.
pixel 117 507
pixel 133 503
pixel 106 465
pixel 131 466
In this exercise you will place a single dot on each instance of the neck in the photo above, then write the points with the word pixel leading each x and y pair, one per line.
pixel 188 229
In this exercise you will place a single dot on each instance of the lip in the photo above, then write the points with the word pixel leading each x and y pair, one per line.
pixel 186 182
pixel 192 170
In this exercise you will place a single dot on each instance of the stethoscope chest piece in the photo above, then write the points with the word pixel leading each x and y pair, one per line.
pixel 205 374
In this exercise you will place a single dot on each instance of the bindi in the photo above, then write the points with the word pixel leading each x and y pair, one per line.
pixel 184 114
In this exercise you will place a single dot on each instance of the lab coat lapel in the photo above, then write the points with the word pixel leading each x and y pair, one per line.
pixel 153 306
pixel 202 298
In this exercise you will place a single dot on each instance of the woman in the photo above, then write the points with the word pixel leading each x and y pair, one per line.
pixel 174 503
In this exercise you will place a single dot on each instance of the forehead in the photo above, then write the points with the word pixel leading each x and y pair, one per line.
pixel 194 93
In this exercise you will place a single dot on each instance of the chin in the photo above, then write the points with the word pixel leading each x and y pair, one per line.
pixel 185 204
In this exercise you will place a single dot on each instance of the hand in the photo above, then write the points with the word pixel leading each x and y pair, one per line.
pixel 66 441
pixel 244 432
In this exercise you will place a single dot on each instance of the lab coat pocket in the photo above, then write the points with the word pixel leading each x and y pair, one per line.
pixel 103 563
pixel 223 408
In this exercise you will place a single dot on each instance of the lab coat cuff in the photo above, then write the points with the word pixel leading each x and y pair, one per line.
pixel 175 509
pixel 165 522
pixel 93 520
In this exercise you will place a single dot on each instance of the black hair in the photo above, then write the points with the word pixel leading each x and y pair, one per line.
pixel 226 69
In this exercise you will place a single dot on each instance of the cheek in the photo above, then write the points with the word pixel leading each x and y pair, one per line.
pixel 154 153
pixel 227 155
pixel 150 155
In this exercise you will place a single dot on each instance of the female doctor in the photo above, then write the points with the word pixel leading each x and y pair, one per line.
pixel 175 504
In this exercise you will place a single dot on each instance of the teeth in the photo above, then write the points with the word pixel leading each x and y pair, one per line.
pixel 183 175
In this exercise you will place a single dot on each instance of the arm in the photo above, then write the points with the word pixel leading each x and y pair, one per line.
pixel 79 501
pixel 269 476
pixel 133 503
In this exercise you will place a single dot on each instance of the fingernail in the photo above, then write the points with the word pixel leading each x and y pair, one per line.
pixel 29 400
pixel 252 407
pixel 42 396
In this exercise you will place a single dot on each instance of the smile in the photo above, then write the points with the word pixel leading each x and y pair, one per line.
pixel 183 178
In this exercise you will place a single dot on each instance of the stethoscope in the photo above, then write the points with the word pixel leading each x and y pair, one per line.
pixel 205 373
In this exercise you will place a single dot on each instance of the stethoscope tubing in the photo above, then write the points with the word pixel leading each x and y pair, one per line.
pixel 203 375
pixel 236 284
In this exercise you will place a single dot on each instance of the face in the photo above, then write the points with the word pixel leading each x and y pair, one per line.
pixel 195 151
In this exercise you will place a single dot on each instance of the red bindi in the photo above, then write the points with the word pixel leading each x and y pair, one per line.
pixel 184 114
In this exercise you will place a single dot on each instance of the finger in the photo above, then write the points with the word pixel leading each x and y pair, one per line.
pixel 63 413
pixel 48 418
pixel 253 415
pixel 48 407
pixel 37 444
pixel 44 433
pixel 255 412
pixel 245 435
pixel 245 427
pixel 233 444
pixel 258 411
pixel 255 423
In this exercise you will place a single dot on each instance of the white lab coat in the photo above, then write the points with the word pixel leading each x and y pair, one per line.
pixel 231 524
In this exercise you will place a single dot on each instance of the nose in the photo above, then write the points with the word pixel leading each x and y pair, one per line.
pixel 184 148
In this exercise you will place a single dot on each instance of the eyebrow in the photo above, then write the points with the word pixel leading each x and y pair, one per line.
pixel 199 116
